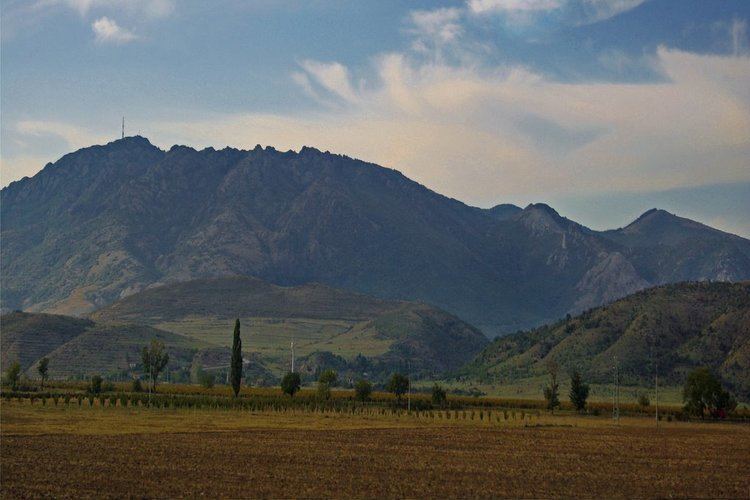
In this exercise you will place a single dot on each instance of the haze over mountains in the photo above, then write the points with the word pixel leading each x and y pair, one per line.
pixel 107 221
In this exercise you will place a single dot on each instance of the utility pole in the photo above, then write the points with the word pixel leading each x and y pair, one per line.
pixel 408 386
pixel 656 386
pixel 292 355
pixel 616 394
pixel 123 128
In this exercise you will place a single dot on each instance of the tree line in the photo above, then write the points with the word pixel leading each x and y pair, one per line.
pixel 703 394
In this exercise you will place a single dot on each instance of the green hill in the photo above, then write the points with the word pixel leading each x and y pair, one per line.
pixel 678 327
pixel 80 347
pixel 28 337
pixel 317 318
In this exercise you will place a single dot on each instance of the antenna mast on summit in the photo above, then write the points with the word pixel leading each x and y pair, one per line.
pixel 123 128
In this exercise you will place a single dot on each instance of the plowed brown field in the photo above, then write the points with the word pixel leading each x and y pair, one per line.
pixel 424 460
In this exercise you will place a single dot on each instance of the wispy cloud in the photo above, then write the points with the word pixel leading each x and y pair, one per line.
pixel 488 6
pixel 150 8
pixel 486 136
pixel 332 77
pixel 106 30
pixel 21 16
pixel 575 12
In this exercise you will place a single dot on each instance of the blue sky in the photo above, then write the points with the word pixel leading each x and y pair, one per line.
pixel 602 108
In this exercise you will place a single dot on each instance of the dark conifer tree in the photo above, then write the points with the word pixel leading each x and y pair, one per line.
pixel 236 363
pixel 579 392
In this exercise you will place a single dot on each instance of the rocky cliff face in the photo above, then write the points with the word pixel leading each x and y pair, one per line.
pixel 107 221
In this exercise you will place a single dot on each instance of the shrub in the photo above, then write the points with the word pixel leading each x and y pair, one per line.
pixel 290 384
pixel 95 386
pixel 43 369
pixel 13 375
pixel 154 358
pixel 206 379
pixel 643 401
pixel 136 385
pixel 439 396
pixel 363 390
pixel 703 394
pixel 398 385
pixel 327 379
pixel 551 392
pixel 579 392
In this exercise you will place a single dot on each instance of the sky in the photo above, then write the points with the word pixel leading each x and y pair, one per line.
pixel 601 108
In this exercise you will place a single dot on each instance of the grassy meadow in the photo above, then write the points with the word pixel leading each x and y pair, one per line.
pixel 270 337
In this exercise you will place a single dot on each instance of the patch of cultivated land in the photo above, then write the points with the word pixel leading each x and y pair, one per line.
pixel 169 453
pixel 271 336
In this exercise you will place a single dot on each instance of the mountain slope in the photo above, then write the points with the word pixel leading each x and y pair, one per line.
pixel 678 326
pixel 107 221
pixel 317 317
pixel 28 337
pixel 667 248
pixel 80 347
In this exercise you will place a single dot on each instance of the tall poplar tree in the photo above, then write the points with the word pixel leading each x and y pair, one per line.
pixel 236 364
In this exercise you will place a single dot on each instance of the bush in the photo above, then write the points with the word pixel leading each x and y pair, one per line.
pixel 327 379
pixel 290 384
pixel 206 379
pixel 439 397
pixel 13 375
pixel 398 385
pixel 136 386
pixel 95 386
pixel 579 392
pixel 363 390
pixel 703 394
pixel 643 401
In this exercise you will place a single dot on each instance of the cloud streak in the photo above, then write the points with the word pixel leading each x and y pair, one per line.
pixel 107 30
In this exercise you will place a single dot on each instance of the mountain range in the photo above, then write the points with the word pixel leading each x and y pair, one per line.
pixel 108 221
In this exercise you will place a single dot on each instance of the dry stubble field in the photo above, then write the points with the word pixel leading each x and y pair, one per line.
pixel 50 451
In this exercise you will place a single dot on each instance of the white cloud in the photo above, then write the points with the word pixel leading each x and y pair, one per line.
pixel 440 24
pixel 576 12
pixel 150 8
pixel 599 10
pixel 487 6
pixel 332 77
pixel 483 137
pixel 106 30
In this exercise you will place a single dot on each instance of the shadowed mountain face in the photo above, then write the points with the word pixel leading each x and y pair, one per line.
pixel 107 221
pixel 675 327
